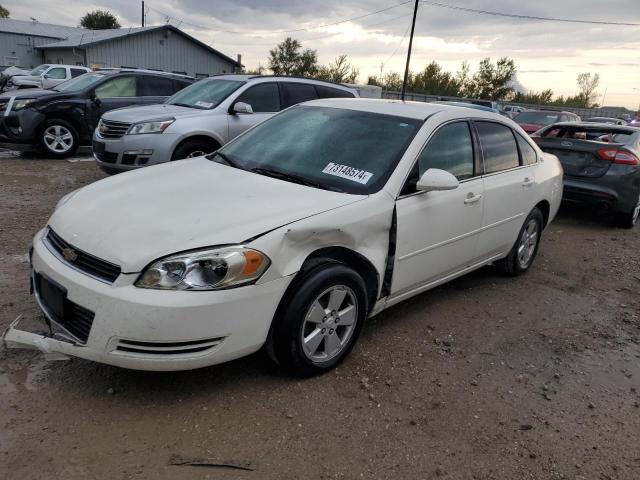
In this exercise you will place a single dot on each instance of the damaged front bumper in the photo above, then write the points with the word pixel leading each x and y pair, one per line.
pixel 52 348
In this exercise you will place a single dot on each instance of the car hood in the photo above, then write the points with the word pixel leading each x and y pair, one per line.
pixel 134 218
pixel 30 93
pixel 25 79
pixel 150 112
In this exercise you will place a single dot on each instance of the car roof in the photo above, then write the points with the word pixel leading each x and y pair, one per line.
pixel 416 110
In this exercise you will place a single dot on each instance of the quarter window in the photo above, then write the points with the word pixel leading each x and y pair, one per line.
pixel 117 87
pixel 527 153
pixel 294 93
pixel 449 149
pixel 263 97
pixel 498 146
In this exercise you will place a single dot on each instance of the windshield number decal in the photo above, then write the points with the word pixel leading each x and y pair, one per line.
pixel 202 104
pixel 350 173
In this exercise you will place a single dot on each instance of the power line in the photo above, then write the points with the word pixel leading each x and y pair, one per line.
pixel 170 17
pixel 525 17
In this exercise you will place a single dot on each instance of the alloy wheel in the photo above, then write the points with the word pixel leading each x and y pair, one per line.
pixel 58 139
pixel 329 324
pixel 528 243
pixel 196 153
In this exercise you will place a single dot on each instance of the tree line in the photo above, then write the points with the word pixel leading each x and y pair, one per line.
pixel 491 81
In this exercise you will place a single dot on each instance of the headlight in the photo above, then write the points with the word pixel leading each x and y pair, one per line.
pixel 212 269
pixel 157 126
pixel 21 103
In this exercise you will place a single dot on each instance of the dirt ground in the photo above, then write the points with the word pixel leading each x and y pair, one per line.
pixel 488 377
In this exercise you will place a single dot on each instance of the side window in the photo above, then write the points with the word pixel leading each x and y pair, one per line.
pixel 527 152
pixel 179 85
pixel 59 73
pixel 151 86
pixel 117 87
pixel 450 149
pixel 76 72
pixel 498 146
pixel 294 93
pixel 263 97
pixel 328 92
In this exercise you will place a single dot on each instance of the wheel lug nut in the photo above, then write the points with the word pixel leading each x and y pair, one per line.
pixel 331 331
pixel 323 330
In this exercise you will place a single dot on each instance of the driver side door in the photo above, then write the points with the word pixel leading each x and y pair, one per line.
pixel 113 93
pixel 437 231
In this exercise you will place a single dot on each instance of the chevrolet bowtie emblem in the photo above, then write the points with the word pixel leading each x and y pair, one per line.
pixel 69 254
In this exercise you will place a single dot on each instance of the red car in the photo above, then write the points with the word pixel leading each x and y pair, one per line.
pixel 533 120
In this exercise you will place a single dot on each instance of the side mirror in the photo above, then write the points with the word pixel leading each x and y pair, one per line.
pixel 434 180
pixel 44 75
pixel 241 107
pixel 94 99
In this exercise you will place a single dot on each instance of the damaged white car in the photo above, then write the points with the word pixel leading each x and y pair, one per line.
pixel 288 237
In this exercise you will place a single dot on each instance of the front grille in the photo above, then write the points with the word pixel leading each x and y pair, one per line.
pixel 72 317
pixel 107 157
pixel 167 348
pixel 111 129
pixel 94 266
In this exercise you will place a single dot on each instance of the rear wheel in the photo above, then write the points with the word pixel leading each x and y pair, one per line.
pixel 58 138
pixel 194 148
pixel 320 320
pixel 524 251
pixel 629 220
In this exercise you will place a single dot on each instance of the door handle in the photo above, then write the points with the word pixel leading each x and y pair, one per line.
pixel 527 182
pixel 472 198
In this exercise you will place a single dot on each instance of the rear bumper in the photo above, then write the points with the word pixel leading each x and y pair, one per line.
pixel 620 194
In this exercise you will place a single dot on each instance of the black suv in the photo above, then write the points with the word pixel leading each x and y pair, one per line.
pixel 58 120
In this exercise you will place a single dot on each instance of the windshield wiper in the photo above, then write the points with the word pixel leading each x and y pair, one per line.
pixel 228 161
pixel 289 177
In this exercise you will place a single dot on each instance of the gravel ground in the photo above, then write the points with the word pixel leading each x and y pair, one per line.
pixel 488 377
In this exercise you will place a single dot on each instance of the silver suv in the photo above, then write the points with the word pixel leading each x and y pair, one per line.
pixel 199 119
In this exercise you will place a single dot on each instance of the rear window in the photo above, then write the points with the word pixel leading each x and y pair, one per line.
pixel 537 118
pixel 597 134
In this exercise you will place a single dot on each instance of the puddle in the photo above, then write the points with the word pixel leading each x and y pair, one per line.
pixel 26 379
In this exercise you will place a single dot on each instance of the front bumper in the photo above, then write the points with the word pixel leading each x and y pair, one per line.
pixel 131 152
pixel 18 129
pixel 154 329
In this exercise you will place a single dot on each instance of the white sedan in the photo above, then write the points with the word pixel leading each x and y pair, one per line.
pixel 288 237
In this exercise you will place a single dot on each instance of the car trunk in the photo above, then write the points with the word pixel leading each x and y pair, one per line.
pixel 579 158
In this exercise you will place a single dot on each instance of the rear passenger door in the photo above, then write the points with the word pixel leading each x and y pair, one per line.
pixel 508 180
pixel 154 89
pixel 264 99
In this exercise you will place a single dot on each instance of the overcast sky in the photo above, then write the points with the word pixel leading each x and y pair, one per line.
pixel 548 54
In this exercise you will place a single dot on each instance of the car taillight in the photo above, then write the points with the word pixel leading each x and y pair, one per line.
pixel 621 157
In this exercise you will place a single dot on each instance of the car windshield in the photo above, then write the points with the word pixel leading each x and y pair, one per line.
pixel 537 118
pixel 38 70
pixel 332 148
pixel 79 83
pixel 205 94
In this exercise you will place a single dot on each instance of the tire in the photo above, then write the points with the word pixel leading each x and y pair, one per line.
pixel 328 307
pixel 58 138
pixel 630 219
pixel 194 148
pixel 524 251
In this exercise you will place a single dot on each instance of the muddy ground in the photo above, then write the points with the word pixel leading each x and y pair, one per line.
pixel 488 377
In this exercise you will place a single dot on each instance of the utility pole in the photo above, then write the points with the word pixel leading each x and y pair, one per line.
pixel 143 13
pixel 406 70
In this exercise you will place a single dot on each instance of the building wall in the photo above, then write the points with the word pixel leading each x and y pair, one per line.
pixel 163 50
pixel 18 49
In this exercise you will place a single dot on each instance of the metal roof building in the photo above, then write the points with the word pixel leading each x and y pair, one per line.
pixel 162 47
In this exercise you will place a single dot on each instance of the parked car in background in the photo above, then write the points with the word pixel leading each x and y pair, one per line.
pixel 513 110
pixel 601 165
pixel 200 119
pixel 46 76
pixel 58 120
pixel 533 120
pixel 606 120
pixel 497 106
pixel 289 237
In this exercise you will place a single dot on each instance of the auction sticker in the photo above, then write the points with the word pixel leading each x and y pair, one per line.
pixel 202 104
pixel 350 173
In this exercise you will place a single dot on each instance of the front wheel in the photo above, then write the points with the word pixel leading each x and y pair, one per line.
pixel 58 138
pixel 524 251
pixel 194 148
pixel 320 320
